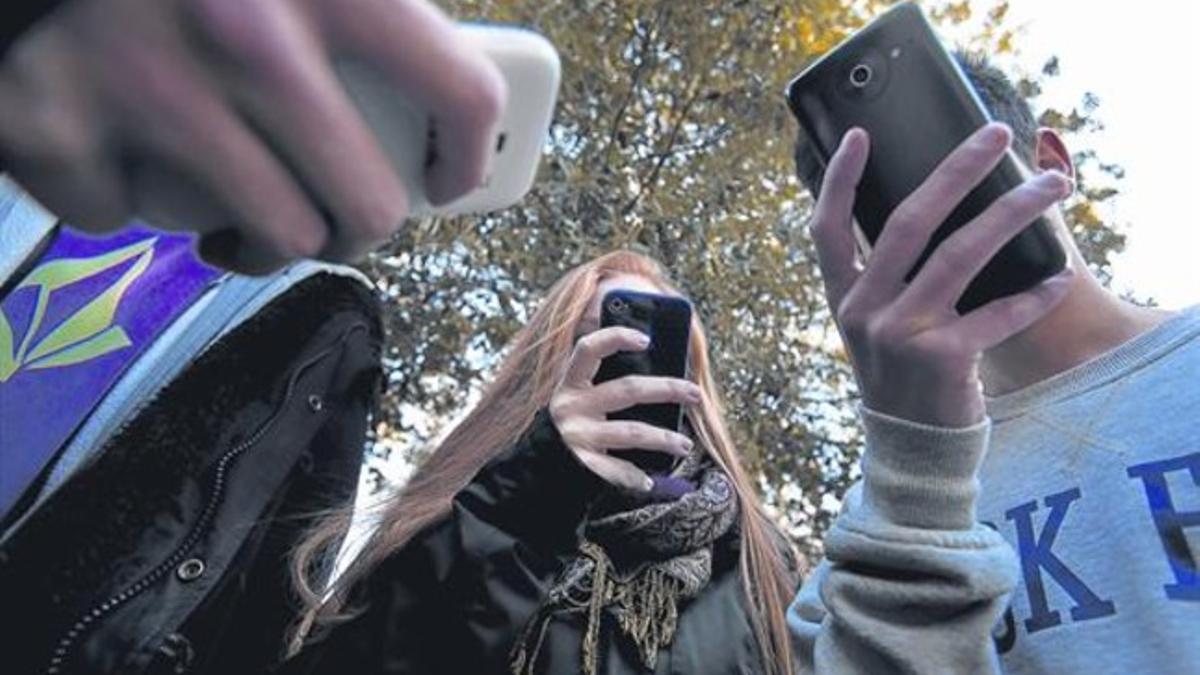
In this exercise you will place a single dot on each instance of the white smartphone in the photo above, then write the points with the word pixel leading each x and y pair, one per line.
pixel 530 66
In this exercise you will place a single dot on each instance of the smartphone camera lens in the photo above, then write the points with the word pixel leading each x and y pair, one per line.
pixel 617 306
pixel 860 75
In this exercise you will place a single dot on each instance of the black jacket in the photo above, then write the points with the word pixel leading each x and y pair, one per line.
pixel 167 553
pixel 20 16
pixel 456 598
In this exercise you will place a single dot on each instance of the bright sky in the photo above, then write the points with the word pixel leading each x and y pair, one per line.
pixel 1143 60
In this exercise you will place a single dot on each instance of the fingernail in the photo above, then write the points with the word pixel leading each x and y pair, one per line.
pixel 997 135
pixel 647 484
pixel 854 135
pixel 670 488
pixel 1054 182
pixel 643 340
pixel 685 446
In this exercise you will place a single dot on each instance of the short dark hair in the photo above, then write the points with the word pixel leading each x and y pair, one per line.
pixel 1004 101
pixel 999 95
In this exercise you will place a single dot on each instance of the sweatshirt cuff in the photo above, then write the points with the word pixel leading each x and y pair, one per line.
pixel 922 476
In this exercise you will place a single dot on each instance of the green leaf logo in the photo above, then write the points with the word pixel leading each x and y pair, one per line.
pixel 88 333
pixel 8 364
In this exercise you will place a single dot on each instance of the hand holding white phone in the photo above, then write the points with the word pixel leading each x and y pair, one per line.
pixel 408 134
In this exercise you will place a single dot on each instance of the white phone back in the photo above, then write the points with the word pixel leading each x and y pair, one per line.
pixel 530 66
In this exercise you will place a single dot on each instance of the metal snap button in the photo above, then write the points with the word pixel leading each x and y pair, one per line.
pixel 190 570
pixel 315 403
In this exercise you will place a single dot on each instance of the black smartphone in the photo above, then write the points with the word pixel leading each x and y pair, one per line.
pixel 667 320
pixel 894 79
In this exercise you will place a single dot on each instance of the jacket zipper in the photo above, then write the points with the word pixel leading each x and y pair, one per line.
pixel 63 648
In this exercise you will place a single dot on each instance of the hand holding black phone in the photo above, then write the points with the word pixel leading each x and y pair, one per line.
pixel 667 321
pixel 895 80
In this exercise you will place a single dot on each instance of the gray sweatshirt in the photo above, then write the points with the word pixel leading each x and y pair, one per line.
pixel 1060 536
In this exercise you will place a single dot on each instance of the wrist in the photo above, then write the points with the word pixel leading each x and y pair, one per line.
pixel 951 409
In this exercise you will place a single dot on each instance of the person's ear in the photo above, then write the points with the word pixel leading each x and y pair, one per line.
pixel 1052 153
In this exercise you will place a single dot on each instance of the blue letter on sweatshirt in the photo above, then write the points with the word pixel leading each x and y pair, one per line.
pixel 1171 523
pixel 1037 554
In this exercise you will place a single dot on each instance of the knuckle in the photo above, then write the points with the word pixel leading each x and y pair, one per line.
pixel 629 387
pixel 853 322
pixel 237 31
pixel 955 250
pixel 299 243
pixel 945 265
pixel 569 429
pixel 1017 309
pixel 572 435
pixel 378 219
pixel 940 354
pixel 558 407
pixel 971 158
pixel 584 348
pixel 1015 206
pixel 57 137
pixel 880 332
pixel 936 349
pixel 874 332
pixel 906 216
pixel 628 432
pixel 162 78
pixel 820 226
pixel 639 435
pixel 587 345
pixel 481 98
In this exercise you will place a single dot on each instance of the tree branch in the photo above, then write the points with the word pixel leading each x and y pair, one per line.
pixel 647 182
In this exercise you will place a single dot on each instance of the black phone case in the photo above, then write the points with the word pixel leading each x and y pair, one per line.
pixel 917 107
pixel 667 320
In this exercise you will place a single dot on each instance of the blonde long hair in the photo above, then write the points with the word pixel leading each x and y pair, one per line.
pixel 523 386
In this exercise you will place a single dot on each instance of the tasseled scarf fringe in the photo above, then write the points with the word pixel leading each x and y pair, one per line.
pixel 646 607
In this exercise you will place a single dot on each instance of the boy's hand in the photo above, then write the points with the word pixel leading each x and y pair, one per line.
pixel 914 356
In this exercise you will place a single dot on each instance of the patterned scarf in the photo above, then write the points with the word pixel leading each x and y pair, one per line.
pixel 638 563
